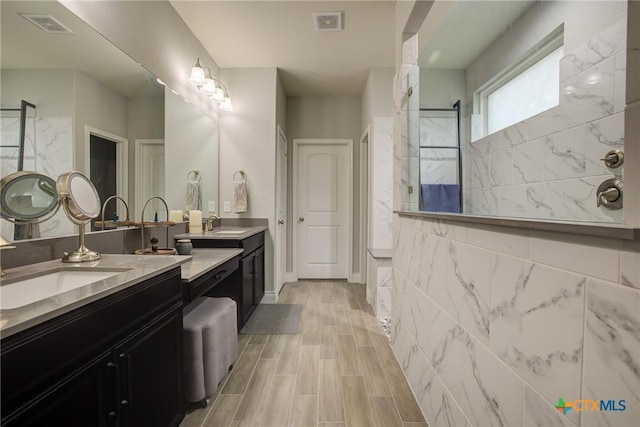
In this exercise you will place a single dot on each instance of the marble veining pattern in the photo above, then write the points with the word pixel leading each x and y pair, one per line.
pixel 489 393
pixel 540 413
pixel 602 136
pixel 529 303
pixel 612 352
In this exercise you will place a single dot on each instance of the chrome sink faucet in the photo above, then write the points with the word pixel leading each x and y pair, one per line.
pixel 207 224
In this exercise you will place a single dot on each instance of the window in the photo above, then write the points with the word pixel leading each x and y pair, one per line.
pixel 523 90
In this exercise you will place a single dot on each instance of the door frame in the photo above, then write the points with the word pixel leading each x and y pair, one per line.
pixel 139 143
pixel 122 161
pixel 277 250
pixel 365 196
pixel 294 197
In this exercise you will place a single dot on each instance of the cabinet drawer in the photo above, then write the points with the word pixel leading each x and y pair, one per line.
pixel 204 284
pixel 252 243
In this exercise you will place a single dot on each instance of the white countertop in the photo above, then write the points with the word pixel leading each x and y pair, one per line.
pixel 130 269
pixel 212 235
pixel 206 259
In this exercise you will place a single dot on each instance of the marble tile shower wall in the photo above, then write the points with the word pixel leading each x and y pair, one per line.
pixel 493 325
pixel 381 182
pixel 48 150
pixel 549 166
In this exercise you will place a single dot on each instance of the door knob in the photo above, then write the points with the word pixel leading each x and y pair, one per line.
pixel 301 219
pixel 280 222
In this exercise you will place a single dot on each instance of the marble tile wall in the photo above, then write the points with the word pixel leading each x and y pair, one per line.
pixel 381 172
pixel 493 325
pixel 48 150
pixel 549 166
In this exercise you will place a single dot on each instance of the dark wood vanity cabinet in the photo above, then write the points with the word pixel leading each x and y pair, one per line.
pixel 114 362
pixel 246 285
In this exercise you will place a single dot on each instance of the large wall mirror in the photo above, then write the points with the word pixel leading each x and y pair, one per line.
pixel 95 110
pixel 541 86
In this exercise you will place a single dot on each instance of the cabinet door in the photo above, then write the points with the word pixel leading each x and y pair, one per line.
pixel 87 398
pixel 150 370
pixel 258 276
pixel 247 287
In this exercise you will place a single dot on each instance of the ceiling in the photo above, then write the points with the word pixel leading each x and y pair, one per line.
pixel 281 34
pixel 468 29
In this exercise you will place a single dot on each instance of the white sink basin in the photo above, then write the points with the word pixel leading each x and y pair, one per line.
pixel 230 232
pixel 27 291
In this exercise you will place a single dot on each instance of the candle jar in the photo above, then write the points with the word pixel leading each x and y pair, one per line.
pixel 184 246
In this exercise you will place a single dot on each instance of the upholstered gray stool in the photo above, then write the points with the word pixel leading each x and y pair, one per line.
pixel 210 345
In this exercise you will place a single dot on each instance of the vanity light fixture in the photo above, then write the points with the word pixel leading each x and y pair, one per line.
pixel 197 74
pixel 210 85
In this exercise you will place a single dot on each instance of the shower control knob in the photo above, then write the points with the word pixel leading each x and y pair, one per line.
pixel 609 194
pixel 614 159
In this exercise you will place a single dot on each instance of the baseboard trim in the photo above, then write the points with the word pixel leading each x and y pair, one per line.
pixel 355 278
pixel 269 297
pixel 290 277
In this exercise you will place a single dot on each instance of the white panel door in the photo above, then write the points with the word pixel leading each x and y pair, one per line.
pixel 281 211
pixel 150 177
pixel 323 208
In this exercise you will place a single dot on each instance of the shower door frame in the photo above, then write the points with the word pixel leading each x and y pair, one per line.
pixel 456 108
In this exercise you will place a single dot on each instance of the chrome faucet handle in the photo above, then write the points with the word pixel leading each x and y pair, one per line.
pixel 609 194
pixel 613 159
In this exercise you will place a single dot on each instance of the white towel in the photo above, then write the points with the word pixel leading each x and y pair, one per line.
pixel 192 199
pixel 240 196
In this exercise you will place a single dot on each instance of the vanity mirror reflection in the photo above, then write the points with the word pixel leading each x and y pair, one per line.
pixel 542 91
pixel 97 110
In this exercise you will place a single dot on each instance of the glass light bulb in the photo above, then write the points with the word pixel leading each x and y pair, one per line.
pixel 208 87
pixel 226 104
pixel 197 76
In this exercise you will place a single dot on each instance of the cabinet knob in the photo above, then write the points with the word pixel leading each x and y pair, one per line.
pixel 280 222
pixel 301 219
pixel 124 402
pixel 112 415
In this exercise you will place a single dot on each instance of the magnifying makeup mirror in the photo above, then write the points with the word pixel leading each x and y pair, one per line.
pixel 81 203
pixel 28 198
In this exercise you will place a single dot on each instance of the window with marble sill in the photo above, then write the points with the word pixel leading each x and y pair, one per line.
pixel 547 166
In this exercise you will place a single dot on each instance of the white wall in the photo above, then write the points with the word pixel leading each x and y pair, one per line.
pixel 248 142
pixel 440 88
pixel 99 107
pixel 146 121
pixel 50 90
pixel 325 117
pixel 191 143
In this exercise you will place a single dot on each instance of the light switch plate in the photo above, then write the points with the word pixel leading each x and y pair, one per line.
pixel 212 206
pixel 227 206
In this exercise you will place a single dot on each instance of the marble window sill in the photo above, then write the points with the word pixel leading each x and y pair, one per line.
pixel 617 231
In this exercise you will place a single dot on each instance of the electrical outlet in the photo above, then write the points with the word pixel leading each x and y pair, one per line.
pixel 212 206
pixel 227 206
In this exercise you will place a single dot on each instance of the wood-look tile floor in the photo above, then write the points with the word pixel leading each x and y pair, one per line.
pixel 338 370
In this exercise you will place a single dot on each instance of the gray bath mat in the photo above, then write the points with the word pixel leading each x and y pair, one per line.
pixel 273 319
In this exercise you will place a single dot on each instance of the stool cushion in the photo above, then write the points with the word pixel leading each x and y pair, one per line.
pixel 210 345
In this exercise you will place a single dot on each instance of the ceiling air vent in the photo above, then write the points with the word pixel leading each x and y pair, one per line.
pixel 46 23
pixel 327 21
